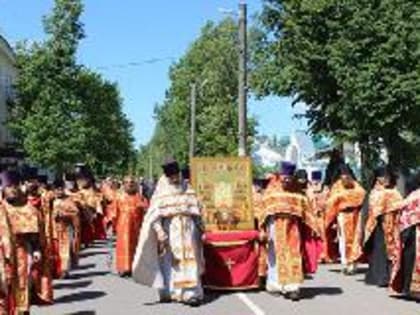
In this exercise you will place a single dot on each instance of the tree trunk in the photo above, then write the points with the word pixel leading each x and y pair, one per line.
pixel 369 160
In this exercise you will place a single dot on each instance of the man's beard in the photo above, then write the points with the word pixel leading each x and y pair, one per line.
pixel 348 184
pixel 12 200
pixel 16 199
pixel 60 195
pixel 131 191
pixel 389 186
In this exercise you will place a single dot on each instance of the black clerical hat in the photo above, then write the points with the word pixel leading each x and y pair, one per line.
pixel 170 166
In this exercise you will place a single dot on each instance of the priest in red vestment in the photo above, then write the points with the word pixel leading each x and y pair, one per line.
pixel 405 278
pixel 26 227
pixel 131 206
pixel 343 218
pixel 66 230
pixel 284 216
pixel 110 191
pixel 258 203
pixel 7 265
pixel 381 214
pixel 312 241
pixel 42 272
pixel 89 202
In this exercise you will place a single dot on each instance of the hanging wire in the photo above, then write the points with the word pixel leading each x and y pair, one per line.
pixel 135 63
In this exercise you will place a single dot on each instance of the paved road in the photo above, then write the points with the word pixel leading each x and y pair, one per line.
pixel 92 290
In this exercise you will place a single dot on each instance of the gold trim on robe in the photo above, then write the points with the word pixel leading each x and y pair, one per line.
pixel 348 202
pixel 410 216
pixel 289 209
pixel 23 221
pixel 383 202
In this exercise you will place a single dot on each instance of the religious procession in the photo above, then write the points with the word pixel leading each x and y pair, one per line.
pixel 201 157
pixel 180 241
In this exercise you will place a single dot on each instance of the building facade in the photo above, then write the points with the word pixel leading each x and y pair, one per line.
pixel 302 151
pixel 7 77
pixel 9 155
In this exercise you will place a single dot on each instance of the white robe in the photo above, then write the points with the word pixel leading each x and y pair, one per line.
pixel 170 206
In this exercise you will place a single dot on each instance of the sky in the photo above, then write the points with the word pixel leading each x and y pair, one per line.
pixel 138 31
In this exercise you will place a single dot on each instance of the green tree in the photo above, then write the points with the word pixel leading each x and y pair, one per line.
pixel 355 64
pixel 45 117
pixel 65 113
pixel 212 62
pixel 109 148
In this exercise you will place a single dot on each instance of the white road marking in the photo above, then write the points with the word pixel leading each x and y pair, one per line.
pixel 251 305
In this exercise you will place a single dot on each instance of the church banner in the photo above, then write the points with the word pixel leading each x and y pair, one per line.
pixel 224 187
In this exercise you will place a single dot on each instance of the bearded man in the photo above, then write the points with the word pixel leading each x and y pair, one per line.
pixel 169 254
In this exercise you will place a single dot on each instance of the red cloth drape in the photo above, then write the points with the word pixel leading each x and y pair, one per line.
pixel 231 260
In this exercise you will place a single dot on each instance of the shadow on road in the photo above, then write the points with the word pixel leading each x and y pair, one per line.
pixel 407 299
pixel 358 271
pixel 93 253
pixel 82 313
pixel 80 296
pixel 85 267
pixel 72 285
pixel 77 276
pixel 312 292
pixel 98 245
pixel 209 297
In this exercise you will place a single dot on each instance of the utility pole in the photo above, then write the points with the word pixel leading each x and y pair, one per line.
pixel 193 103
pixel 242 96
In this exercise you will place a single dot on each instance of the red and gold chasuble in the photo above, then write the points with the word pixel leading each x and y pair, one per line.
pixel 129 218
pixel 111 198
pixel 314 245
pixel 385 203
pixel 7 266
pixel 66 215
pixel 258 202
pixel 89 202
pixel 41 272
pixel 348 203
pixel 410 216
pixel 318 201
pixel 289 211
pixel 24 221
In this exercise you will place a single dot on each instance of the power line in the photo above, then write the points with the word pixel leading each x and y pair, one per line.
pixel 135 63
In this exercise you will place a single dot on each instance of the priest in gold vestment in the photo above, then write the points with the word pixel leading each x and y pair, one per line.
pixel 283 216
pixel 26 228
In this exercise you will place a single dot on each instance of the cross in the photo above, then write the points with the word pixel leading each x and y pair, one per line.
pixel 229 263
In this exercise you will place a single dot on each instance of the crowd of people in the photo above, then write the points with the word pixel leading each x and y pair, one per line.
pixel 159 240
pixel 43 227
pixel 304 222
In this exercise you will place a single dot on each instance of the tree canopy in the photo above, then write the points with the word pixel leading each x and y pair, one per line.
pixel 65 113
pixel 211 62
pixel 355 64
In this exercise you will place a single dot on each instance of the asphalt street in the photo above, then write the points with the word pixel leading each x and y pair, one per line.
pixel 93 290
